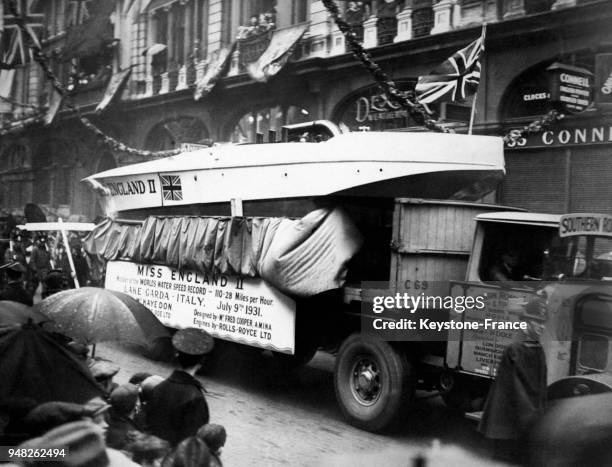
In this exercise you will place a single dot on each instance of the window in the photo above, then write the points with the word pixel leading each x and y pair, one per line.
pixel 516 251
pixel 264 119
pixel 300 11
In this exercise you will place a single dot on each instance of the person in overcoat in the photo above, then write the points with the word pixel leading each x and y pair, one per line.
pixel 14 289
pixel 177 407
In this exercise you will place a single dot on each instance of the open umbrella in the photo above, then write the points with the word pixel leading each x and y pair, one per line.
pixel 35 365
pixel 18 313
pixel 93 315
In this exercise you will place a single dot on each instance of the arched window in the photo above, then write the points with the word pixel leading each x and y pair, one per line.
pixel 16 157
pixel 263 119
pixel 171 133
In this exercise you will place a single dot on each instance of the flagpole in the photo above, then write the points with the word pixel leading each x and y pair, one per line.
pixel 473 111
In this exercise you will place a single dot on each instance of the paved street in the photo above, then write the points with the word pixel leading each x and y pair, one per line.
pixel 277 418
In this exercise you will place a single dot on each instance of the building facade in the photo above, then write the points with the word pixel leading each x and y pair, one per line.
pixel 175 48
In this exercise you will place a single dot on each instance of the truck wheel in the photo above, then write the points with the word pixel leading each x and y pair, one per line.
pixel 374 383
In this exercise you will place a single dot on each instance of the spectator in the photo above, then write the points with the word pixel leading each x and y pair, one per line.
pixel 191 452
pixel 148 450
pixel 84 446
pixel 97 410
pixel 103 372
pixel 123 400
pixel 14 289
pixel 214 436
pixel 177 407
pixel 54 282
pixel 517 397
pixel 40 259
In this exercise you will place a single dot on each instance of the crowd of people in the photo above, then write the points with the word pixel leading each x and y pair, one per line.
pixel 36 265
pixel 258 24
pixel 149 421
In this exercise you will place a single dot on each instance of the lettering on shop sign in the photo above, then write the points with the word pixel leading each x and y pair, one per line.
pixel 570 87
pixel 565 137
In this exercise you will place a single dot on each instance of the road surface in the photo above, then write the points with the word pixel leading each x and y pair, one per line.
pixel 276 418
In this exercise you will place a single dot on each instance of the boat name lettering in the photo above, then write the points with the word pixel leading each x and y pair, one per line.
pixel 197 278
pixel 131 187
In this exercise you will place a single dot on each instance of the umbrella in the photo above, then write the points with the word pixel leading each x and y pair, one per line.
pixel 35 365
pixel 93 315
pixel 18 313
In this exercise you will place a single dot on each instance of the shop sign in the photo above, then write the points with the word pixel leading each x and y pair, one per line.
pixel 603 79
pixel 243 310
pixel 371 109
pixel 570 87
pixel 575 136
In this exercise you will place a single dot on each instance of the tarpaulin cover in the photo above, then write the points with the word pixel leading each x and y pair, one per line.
pixel 300 257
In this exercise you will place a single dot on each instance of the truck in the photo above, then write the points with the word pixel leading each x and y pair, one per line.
pixel 338 278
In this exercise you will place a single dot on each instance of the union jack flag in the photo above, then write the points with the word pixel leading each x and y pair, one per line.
pixel 13 44
pixel 171 187
pixel 455 79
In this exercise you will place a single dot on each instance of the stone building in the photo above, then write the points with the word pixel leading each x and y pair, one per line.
pixel 172 45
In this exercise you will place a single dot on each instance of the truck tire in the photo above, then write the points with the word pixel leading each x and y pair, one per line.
pixel 374 383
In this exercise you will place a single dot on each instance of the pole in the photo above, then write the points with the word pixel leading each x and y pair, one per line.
pixel 69 253
pixel 473 111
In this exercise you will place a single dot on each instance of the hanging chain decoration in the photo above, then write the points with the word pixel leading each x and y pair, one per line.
pixel 416 110
pixel 43 61
pixel 19 104
pixel 534 127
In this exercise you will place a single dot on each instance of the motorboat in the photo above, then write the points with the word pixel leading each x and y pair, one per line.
pixel 290 178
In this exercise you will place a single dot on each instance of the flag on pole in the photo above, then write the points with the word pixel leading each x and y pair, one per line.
pixel 455 79
pixel 13 43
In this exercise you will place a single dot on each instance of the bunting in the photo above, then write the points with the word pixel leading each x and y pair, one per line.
pixel 277 54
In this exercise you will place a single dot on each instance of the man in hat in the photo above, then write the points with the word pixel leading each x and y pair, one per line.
pixel 177 407
pixel 121 422
pixel 517 397
pixel 14 289
pixel 103 372
pixel 40 260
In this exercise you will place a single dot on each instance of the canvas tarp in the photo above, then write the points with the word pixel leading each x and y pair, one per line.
pixel 300 257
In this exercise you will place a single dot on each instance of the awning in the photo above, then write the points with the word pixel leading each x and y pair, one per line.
pixel 299 257
pixel 91 35
pixel 213 73
pixel 278 52
pixel 115 87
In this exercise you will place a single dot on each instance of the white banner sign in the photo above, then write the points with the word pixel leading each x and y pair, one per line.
pixel 243 310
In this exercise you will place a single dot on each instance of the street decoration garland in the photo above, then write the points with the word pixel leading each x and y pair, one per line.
pixel 534 127
pixel 416 110
pixel 43 61
pixel 19 104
